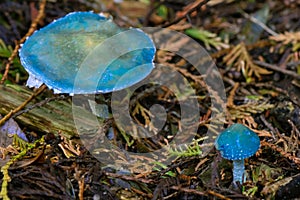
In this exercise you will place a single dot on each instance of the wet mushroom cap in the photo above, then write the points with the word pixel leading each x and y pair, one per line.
pixel 86 53
pixel 237 142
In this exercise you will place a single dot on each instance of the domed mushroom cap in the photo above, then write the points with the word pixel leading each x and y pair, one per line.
pixel 86 53
pixel 237 142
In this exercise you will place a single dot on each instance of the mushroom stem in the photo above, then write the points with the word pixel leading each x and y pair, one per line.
pixel 238 170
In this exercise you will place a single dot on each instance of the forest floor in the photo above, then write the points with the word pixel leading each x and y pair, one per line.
pixel 255 81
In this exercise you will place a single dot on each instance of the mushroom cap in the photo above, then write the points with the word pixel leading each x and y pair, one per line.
pixel 86 53
pixel 237 142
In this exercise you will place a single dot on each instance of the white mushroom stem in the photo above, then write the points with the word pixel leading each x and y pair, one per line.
pixel 238 170
pixel 33 81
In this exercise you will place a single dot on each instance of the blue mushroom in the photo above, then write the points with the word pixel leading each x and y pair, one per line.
pixel 86 53
pixel 237 143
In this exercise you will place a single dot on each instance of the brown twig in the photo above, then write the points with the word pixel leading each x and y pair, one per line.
pixel 187 190
pixel 191 8
pixel 282 152
pixel 218 195
pixel 40 104
pixel 141 193
pixel 128 178
pixel 18 44
pixel 81 188
pixel 20 107
pixel 267 124
pixel 278 69
pixel 193 191
pixel 230 101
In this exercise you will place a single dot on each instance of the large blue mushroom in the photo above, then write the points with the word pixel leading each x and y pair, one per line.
pixel 237 143
pixel 86 53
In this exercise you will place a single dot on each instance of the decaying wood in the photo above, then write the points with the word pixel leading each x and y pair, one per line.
pixel 53 117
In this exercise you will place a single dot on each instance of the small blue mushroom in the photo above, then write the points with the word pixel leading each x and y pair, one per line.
pixel 86 53
pixel 237 143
